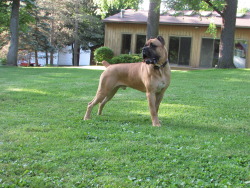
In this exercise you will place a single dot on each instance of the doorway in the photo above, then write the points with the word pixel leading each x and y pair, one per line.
pixel 126 44
pixel 140 42
pixel 179 50
pixel 209 53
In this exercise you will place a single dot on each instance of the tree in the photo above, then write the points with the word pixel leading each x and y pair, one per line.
pixel 111 7
pixel 227 10
pixel 4 25
pixel 36 37
pixel 18 18
pixel 54 13
pixel 86 28
pixel 14 22
pixel 153 19
pixel 71 22
pixel 228 16
pixel 76 51
pixel 4 16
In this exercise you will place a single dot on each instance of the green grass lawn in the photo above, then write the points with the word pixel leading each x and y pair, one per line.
pixel 204 140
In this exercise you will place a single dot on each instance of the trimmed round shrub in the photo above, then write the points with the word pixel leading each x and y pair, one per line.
pixel 126 58
pixel 103 53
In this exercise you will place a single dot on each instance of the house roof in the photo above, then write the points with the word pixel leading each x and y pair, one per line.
pixel 178 18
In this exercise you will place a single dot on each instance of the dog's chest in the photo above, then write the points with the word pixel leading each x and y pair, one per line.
pixel 161 85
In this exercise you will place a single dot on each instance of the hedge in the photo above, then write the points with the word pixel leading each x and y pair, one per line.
pixel 126 58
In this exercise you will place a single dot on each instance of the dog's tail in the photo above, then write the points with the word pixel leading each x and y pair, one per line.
pixel 105 63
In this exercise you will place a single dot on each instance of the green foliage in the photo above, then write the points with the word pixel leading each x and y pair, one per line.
pixel 4 17
pixel 90 30
pixel 194 5
pixel 3 61
pixel 212 30
pixel 111 7
pixel 103 53
pixel 24 14
pixel 37 35
pixel 37 17
pixel 203 142
pixel 244 10
pixel 126 58
pixel 26 18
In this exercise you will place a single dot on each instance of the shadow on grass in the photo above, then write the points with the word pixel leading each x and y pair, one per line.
pixel 171 119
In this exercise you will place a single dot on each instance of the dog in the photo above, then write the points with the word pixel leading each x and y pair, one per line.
pixel 151 76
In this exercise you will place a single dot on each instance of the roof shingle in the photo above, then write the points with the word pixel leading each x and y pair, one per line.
pixel 196 19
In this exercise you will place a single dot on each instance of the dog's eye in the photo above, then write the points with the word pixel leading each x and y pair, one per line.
pixel 152 45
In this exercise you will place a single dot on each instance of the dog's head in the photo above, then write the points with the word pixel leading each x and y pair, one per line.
pixel 154 51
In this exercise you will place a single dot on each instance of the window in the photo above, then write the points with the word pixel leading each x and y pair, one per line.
pixel 174 49
pixel 179 50
pixel 209 52
pixel 140 42
pixel 126 44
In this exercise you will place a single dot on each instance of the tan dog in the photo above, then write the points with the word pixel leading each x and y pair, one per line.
pixel 151 76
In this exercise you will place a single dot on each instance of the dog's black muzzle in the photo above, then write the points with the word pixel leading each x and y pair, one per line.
pixel 145 52
pixel 149 56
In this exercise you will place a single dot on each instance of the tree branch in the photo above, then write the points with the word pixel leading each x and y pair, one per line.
pixel 214 7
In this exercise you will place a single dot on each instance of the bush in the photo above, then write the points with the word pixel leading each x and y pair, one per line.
pixel 126 58
pixel 3 61
pixel 103 53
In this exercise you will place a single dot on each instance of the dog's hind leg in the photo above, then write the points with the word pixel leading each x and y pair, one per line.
pixel 102 97
pixel 98 98
pixel 106 99
pixel 106 90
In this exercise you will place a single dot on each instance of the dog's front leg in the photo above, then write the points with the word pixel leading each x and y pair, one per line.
pixel 159 97
pixel 152 106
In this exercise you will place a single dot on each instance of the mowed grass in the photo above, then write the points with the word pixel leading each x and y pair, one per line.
pixel 204 140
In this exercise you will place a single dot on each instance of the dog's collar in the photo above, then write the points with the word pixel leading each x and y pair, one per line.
pixel 156 65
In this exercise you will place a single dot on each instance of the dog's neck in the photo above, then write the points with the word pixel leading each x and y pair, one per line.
pixel 157 65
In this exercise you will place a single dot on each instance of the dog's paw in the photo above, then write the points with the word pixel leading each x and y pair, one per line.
pixel 156 125
pixel 86 118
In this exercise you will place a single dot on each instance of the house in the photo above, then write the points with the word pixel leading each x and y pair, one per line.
pixel 65 57
pixel 185 34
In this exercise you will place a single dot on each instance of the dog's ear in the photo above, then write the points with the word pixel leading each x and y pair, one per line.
pixel 161 39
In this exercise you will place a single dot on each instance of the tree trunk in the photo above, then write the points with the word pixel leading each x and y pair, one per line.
pixel 51 58
pixel 72 49
pixel 76 53
pixel 76 37
pixel 36 58
pixel 29 61
pixel 226 54
pixel 153 19
pixel 52 41
pixel 14 22
pixel 78 56
pixel 47 57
